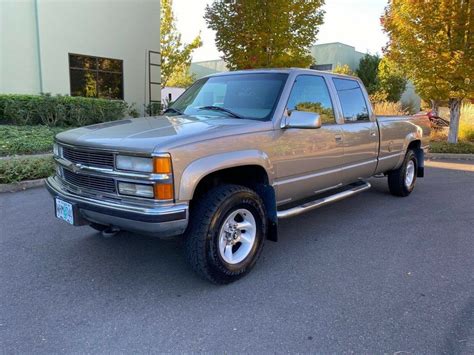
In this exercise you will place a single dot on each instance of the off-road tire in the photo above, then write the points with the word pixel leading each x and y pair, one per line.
pixel 201 239
pixel 396 178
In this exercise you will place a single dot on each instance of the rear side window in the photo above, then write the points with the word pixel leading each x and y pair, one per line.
pixel 311 94
pixel 352 100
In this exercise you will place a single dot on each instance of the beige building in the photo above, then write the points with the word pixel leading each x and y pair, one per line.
pixel 96 48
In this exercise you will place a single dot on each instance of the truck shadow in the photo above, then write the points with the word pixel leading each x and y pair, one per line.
pixel 131 261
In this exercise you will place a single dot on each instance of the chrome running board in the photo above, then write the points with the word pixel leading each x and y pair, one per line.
pixel 308 206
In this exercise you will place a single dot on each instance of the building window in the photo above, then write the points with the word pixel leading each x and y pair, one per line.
pixel 324 67
pixel 96 77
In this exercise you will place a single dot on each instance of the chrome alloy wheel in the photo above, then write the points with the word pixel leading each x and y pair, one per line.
pixel 237 236
pixel 409 173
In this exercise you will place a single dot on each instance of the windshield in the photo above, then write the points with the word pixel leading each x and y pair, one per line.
pixel 252 96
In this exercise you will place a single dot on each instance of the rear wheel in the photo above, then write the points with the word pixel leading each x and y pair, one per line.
pixel 226 233
pixel 401 181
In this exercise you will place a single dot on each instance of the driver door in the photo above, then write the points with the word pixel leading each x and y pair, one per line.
pixel 308 161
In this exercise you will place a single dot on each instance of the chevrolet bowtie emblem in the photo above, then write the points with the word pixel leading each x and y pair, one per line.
pixel 77 167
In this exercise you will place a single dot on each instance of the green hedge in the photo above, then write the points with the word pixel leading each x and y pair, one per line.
pixel 458 148
pixel 59 111
pixel 27 139
pixel 19 169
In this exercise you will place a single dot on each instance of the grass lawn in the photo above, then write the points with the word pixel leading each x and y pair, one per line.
pixel 445 147
pixel 26 139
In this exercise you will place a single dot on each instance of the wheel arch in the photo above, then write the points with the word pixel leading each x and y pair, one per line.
pixel 415 145
pixel 223 163
pixel 247 168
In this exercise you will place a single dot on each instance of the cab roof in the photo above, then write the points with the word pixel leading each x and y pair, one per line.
pixel 281 70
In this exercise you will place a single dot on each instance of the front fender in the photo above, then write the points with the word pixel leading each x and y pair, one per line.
pixel 198 169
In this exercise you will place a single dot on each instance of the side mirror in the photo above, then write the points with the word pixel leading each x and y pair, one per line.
pixel 302 119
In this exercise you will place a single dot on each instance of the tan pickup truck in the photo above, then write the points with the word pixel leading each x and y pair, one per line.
pixel 234 153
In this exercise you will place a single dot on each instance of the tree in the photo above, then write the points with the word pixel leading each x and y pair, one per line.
pixel 265 33
pixel 368 72
pixel 343 69
pixel 175 56
pixel 181 77
pixel 433 43
pixel 391 79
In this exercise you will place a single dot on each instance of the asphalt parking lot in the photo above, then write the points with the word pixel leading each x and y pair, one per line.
pixel 370 274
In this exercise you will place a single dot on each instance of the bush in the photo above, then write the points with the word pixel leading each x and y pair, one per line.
pixel 153 109
pixel 458 148
pixel 26 139
pixel 387 108
pixel 19 169
pixel 59 111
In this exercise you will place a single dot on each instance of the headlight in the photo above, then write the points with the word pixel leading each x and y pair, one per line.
pixel 124 162
pixel 139 190
pixel 161 164
pixel 158 165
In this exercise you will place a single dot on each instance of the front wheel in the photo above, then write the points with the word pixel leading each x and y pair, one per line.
pixel 226 233
pixel 401 181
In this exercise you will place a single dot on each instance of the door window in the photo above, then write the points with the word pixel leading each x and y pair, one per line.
pixel 310 94
pixel 352 100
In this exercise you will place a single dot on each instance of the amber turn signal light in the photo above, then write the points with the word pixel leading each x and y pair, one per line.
pixel 163 191
pixel 162 165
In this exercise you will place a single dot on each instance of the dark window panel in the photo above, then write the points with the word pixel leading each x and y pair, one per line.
pixel 82 61
pixel 110 85
pixel 83 83
pixel 325 67
pixel 113 65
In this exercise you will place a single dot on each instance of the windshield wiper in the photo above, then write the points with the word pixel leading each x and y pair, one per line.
pixel 171 109
pixel 221 109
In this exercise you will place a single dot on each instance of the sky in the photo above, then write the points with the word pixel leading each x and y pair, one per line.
pixel 353 22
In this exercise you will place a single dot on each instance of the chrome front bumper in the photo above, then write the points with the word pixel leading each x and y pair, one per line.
pixel 160 221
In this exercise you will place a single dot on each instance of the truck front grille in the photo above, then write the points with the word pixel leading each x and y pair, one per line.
pixel 96 159
pixel 90 182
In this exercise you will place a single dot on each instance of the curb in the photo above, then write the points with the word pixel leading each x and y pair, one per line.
pixel 21 185
pixel 435 156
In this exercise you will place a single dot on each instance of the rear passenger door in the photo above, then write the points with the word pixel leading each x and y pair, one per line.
pixel 360 131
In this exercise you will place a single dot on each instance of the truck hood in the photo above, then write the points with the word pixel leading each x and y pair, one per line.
pixel 151 134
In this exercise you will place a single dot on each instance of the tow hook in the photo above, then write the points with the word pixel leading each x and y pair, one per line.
pixel 110 232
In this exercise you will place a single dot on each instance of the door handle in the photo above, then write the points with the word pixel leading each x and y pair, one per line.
pixel 338 138
pixel 373 133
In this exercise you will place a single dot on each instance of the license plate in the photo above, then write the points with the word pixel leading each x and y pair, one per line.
pixel 64 211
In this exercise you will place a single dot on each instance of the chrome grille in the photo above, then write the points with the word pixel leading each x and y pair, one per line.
pixel 96 159
pixel 90 182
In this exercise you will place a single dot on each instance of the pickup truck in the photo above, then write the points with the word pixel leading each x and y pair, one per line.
pixel 231 156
